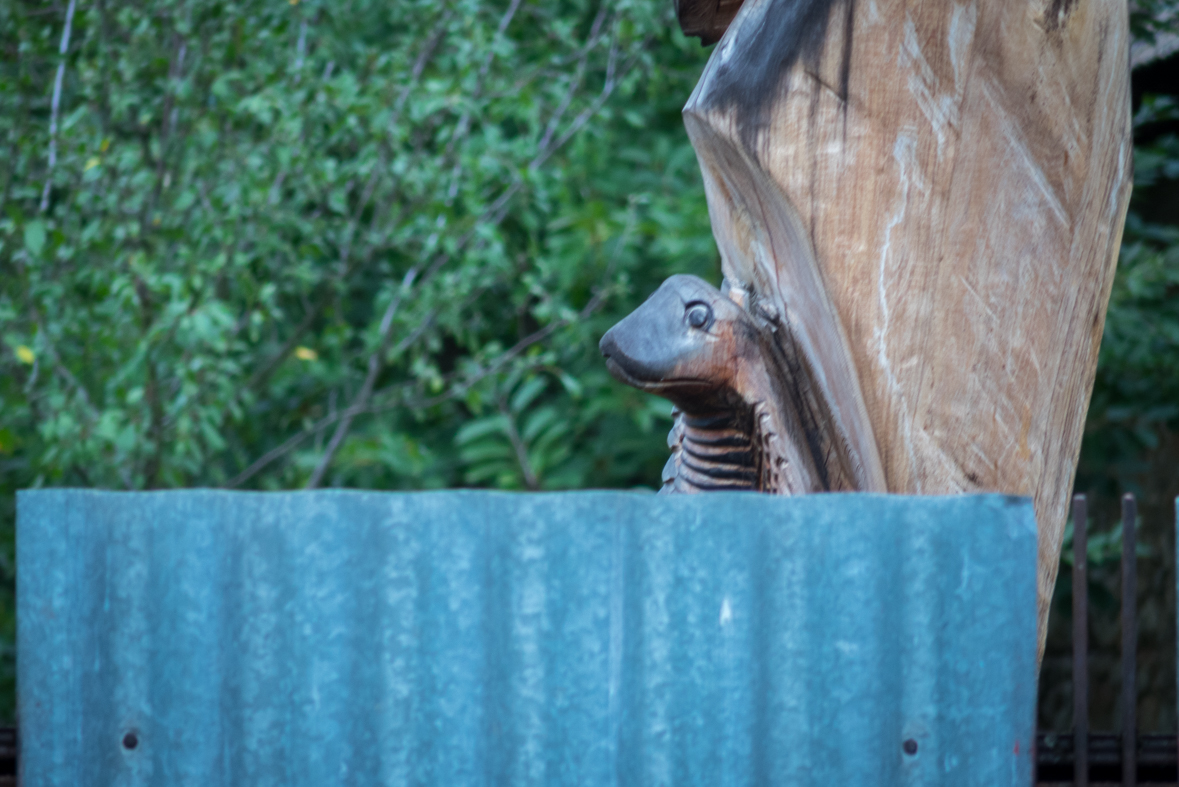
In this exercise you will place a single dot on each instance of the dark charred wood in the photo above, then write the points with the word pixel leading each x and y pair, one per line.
pixel 706 19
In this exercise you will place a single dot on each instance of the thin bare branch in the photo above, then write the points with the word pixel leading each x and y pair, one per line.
pixel 168 119
pixel 464 124
pixel 501 360
pixel 454 392
pixel 575 82
pixel 262 374
pixel 345 267
pixel 578 122
pixel 375 364
pixel 65 46
pixel 498 210
pixel 495 213
pixel 293 442
pixel 370 186
pixel 300 50
pixel 518 446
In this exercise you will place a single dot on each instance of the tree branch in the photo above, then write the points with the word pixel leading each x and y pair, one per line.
pixel 296 440
pixel 579 74
pixel 375 362
pixel 300 50
pixel 428 49
pixel 60 369
pixel 65 45
pixel 497 210
pixel 518 446
pixel 360 401
pixel 263 373
pixel 464 124
pixel 591 110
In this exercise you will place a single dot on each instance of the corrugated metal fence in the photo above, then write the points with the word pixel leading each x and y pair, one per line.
pixel 462 638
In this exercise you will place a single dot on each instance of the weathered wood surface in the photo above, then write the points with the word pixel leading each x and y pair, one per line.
pixel 929 198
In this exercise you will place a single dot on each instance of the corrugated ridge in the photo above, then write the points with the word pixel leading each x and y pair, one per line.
pixel 485 638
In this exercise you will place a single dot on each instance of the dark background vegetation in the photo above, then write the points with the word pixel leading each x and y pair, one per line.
pixel 272 245
pixel 1132 435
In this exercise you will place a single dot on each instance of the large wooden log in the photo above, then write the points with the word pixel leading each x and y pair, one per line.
pixel 927 199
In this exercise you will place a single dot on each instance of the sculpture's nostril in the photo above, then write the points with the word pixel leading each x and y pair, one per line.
pixel 607 346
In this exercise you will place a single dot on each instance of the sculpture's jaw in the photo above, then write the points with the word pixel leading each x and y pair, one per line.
pixel 667 388
pixel 619 373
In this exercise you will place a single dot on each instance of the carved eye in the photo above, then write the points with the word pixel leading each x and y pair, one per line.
pixel 699 315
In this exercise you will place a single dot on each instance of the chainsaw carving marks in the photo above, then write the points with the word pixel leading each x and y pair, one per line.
pixel 714 451
pixel 766 252
pixel 918 208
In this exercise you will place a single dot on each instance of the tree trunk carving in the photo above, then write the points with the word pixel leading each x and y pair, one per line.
pixel 918 208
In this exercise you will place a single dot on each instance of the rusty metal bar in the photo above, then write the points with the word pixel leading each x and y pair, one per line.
pixel 1080 642
pixel 1129 642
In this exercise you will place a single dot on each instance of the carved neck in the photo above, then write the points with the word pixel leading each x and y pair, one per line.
pixel 720 451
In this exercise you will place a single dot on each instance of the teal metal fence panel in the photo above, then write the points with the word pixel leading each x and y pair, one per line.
pixel 478 638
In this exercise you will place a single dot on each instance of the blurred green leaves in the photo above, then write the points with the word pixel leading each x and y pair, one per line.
pixel 277 233
pixel 1137 388
pixel 348 244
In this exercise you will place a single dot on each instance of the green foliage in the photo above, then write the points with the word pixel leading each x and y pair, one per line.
pixel 1137 388
pixel 1103 548
pixel 263 215
pixel 348 244
pixel 1148 18
pixel 374 244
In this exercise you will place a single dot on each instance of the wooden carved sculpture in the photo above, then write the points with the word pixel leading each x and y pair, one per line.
pixel 748 413
pixel 918 207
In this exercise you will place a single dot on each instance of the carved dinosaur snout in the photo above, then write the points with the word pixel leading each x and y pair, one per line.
pixel 685 343
pixel 749 413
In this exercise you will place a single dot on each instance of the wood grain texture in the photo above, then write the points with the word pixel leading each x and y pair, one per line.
pixel 930 196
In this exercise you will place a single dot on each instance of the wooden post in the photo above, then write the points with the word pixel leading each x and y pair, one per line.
pixel 919 205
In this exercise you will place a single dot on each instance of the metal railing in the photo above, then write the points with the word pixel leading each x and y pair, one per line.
pixel 1128 758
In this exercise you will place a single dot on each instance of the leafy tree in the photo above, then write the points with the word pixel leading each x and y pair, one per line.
pixel 248 244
